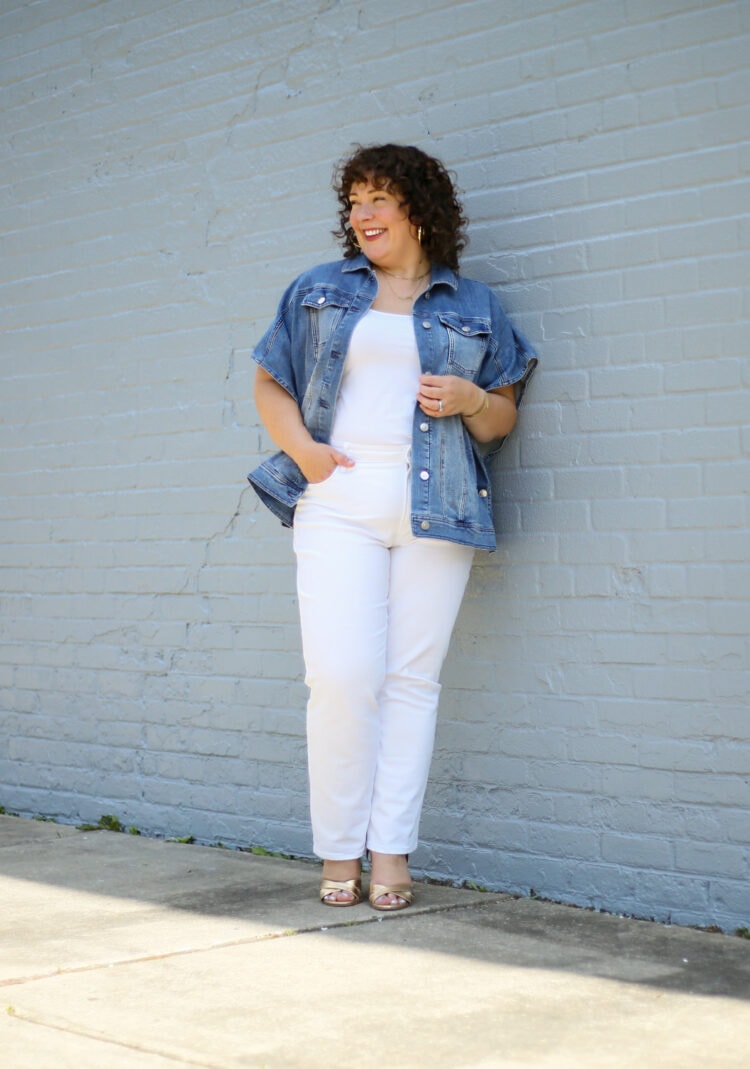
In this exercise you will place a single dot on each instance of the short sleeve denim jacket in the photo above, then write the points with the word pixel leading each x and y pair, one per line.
pixel 460 330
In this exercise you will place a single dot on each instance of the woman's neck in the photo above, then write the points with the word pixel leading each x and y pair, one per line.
pixel 409 269
pixel 398 291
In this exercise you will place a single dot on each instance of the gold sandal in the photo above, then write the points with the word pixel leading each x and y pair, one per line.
pixel 352 887
pixel 404 891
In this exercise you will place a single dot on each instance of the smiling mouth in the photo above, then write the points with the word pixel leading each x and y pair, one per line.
pixel 371 234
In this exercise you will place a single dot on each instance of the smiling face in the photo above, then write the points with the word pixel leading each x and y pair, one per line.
pixel 382 228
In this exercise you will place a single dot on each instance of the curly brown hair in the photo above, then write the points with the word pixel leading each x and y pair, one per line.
pixel 426 191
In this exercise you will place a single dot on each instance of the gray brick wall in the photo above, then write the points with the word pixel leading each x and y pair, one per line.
pixel 165 169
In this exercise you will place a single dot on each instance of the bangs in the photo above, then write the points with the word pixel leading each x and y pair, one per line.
pixel 359 176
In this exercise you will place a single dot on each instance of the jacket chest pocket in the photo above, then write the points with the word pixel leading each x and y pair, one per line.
pixel 466 340
pixel 325 306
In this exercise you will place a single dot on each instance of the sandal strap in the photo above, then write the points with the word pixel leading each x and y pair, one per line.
pixel 352 887
pixel 404 891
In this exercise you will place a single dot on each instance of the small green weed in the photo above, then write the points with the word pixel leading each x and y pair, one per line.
pixel 108 822
pixel 260 851
pixel 182 839
pixel 743 933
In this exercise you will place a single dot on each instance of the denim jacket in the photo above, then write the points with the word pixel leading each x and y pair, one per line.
pixel 460 330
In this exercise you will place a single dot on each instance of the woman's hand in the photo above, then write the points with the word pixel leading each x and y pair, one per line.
pixel 283 420
pixel 450 395
pixel 318 461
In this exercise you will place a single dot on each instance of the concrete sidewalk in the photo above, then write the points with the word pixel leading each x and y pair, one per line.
pixel 120 952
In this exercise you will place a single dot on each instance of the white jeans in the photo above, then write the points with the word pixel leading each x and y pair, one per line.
pixel 377 608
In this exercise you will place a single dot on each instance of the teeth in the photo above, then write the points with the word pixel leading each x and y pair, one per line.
pixel 372 233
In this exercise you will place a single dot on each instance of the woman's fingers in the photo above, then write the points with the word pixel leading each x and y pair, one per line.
pixel 445 395
pixel 342 460
pixel 321 460
pixel 439 395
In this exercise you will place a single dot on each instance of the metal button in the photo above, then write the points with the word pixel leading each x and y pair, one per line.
pixel 424 475
pixel 465 329
pixel 426 324
pixel 424 426
pixel 425 525
pixel 321 300
pixel 483 493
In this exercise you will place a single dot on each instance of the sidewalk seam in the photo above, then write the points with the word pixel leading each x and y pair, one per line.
pixel 310 930
pixel 19 1015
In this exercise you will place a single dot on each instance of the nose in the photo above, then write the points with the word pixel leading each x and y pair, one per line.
pixel 361 211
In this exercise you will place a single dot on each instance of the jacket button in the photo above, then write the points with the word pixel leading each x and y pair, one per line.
pixel 426 324
pixel 321 300
pixel 425 525
pixel 424 426
pixel 424 475
pixel 483 493
pixel 465 329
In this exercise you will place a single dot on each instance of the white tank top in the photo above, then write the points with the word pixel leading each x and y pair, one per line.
pixel 380 382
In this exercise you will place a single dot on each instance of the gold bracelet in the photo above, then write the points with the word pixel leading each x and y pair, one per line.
pixel 482 408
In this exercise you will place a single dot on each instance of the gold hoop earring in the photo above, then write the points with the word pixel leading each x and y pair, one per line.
pixel 353 239
pixel 420 232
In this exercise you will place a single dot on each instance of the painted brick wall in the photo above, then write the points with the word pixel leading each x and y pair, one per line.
pixel 165 172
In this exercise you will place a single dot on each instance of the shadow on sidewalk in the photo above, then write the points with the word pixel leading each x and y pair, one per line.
pixel 59 883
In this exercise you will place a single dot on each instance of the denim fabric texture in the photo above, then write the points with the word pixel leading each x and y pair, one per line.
pixel 460 329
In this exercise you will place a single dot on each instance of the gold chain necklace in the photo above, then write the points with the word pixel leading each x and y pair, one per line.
pixel 409 278
pixel 398 296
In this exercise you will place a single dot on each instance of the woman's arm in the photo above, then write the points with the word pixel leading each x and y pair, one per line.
pixel 487 414
pixel 283 420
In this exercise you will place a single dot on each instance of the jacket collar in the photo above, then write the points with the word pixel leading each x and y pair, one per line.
pixel 441 275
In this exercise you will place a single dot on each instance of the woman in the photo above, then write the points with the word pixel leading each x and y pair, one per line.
pixel 378 378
